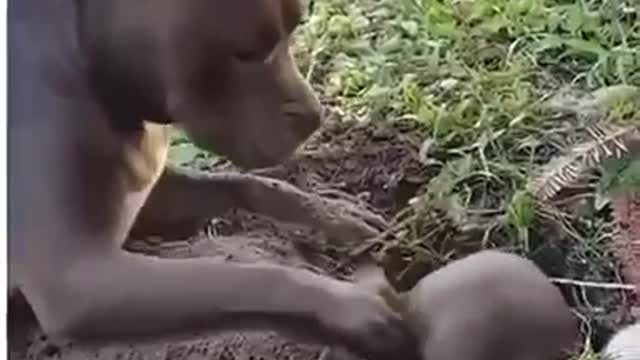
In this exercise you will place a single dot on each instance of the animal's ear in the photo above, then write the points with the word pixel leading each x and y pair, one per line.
pixel 291 14
pixel 256 29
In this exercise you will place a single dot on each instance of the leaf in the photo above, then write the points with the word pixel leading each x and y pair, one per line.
pixel 601 200
pixel 626 180
pixel 517 120
pixel 423 154
pixel 575 45
pixel 596 103
pixel 550 42
pixel 449 83
pixel 392 44
pixel 575 18
pixel 521 210
pixel 178 137
pixel 339 24
pixel 461 167
pixel 442 185
pixel 455 210
pixel 584 46
pixel 410 27
pixel 496 24
pixel 605 98
pixel 184 153
pixel 608 141
pixel 378 91
pixel 521 213
pixel 611 169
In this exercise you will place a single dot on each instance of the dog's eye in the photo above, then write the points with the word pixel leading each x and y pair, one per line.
pixel 258 51
pixel 263 55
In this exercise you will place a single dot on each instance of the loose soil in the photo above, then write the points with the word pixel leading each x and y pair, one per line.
pixel 376 163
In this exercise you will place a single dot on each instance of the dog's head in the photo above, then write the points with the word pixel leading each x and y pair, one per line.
pixel 220 69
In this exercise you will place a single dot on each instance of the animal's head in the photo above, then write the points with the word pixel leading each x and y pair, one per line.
pixel 221 70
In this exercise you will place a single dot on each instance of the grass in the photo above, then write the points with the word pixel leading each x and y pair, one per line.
pixel 476 75
pixel 479 76
pixel 493 85
pixel 455 64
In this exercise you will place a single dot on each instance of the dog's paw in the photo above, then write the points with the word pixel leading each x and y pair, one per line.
pixel 362 322
pixel 344 220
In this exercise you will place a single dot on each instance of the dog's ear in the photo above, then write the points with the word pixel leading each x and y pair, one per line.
pixel 291 14
pixel 121 60
pixel 258 28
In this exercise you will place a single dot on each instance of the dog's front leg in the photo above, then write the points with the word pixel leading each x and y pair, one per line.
pixel 183 200
pixel 98 298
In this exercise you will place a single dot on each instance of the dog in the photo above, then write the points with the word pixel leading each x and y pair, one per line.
pixel 94 88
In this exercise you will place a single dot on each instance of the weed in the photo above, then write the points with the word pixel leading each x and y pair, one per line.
pixel 483 79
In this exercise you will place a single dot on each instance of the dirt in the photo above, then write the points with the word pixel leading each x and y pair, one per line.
pixel 374 163
pixel 377 164
pixel 627 211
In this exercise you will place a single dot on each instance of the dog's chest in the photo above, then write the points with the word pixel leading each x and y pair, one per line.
pixel 145 159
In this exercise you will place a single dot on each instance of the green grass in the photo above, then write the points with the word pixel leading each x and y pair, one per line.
pixel 478 77
pixel 476 74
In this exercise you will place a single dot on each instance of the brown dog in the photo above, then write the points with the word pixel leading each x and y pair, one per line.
pixel 84 167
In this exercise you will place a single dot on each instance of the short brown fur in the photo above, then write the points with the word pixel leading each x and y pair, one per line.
pixel 85 169
pixel 147 155
pixel 490 305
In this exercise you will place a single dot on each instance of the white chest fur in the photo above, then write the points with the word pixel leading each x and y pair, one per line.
pixel 145 159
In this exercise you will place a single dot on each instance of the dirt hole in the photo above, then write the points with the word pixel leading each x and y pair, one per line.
pixel 378 163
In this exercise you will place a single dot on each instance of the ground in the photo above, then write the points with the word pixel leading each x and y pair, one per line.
pixel 378 163
pixel 335 159
pixel 468 124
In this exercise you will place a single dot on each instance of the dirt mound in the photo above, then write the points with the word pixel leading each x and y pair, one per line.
pixel 374 164
pixel 627 210
pixel 377 164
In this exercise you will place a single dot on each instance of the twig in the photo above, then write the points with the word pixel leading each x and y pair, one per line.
pixel 324 354
pixel 609 286
pixel 372 242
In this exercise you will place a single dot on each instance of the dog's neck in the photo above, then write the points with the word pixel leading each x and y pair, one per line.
pixel 51 54
pixel 123 67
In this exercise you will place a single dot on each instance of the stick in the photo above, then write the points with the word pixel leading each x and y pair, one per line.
pixel 324 354
pixel 610 286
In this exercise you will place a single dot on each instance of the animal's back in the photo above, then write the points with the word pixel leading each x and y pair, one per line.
pixel 490 305
pixel 494 274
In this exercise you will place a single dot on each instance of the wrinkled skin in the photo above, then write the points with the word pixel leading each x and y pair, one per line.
pixel 93 87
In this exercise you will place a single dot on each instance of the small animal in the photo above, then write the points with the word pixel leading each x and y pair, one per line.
pixel 624 344
pixel 94 87
pixel 490 305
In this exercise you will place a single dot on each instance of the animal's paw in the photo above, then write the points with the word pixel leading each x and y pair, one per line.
pixel 362 322
pixel 345 219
